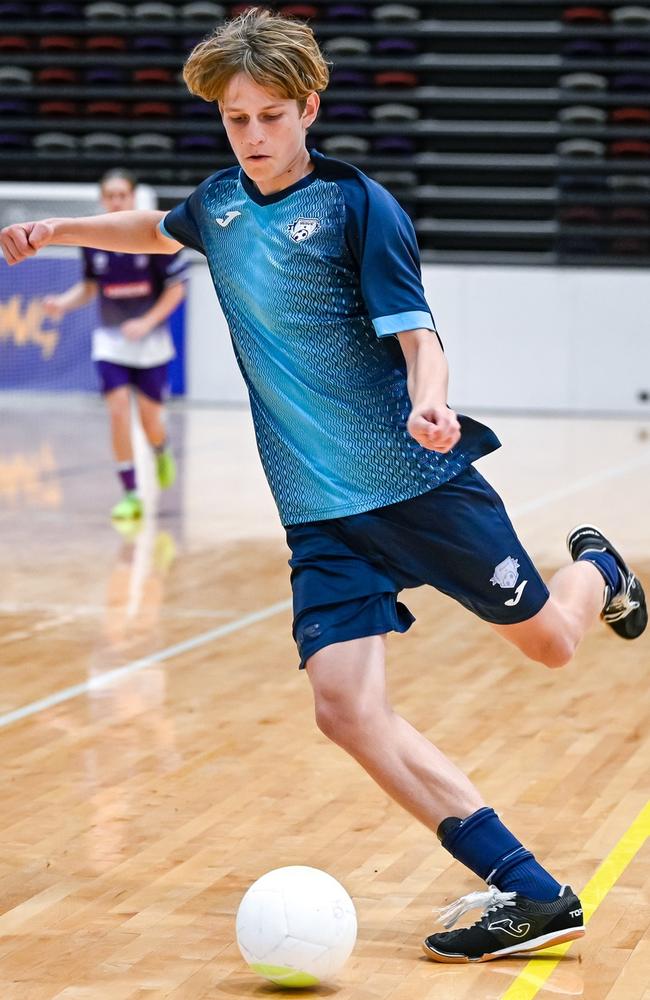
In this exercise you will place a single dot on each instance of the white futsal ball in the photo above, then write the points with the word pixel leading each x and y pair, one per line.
pixel 296 926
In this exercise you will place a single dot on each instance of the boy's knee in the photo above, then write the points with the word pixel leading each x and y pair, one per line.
pixel 553 652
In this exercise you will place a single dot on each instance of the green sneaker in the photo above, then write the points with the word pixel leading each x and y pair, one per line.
pixel 166 469
pixel 129 508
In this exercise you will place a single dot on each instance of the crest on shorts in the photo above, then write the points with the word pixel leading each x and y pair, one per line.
pixel 506 573
pixel 302 229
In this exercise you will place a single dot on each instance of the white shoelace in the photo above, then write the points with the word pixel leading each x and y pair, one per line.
pixel 492 899
pixel 619 607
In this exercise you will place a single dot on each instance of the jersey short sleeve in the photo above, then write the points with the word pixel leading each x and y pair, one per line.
pixel 180 224
pixel 171 269
pixel 382 241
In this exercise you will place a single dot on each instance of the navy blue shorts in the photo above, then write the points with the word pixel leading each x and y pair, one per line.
pixel 346 572
pixel 151 382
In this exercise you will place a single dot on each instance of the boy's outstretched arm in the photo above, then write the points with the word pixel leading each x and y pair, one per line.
pixel 126 232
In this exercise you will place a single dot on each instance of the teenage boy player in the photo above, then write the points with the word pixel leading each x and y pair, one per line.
pixel 317 270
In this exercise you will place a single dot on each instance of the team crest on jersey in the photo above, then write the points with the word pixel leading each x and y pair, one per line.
pixel 302 229
pixel 100 261
pixel 141 260
pixel 506 573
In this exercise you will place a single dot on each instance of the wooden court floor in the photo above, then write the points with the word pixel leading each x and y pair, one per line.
pixel 158 751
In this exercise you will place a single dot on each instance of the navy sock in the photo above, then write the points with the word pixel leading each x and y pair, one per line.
pixel 484 845
pixel 607 566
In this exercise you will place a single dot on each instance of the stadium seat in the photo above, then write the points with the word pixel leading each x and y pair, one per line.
pixel 396 178
pixel 13 141
pixel 63 76
pixel 195 143
pixel 60 11
pixel 342 112
pixel 15 76
pixel 59 109
pixel 395 78
pixel 153 43
pixel 105 43
pixel 345 145
pixel 398 12
pixel 342 77
pixel 104 76
pixel 153 109
pixel 638 82
pixel 347 12
pixel 154 11
pixel 584 15
pixel 150 142
pixel 582 114
pixel 106 10
pixel 153 76
pixel 19 108
pixel 630 116
pixel 14 12
pixel 346 45
pixel 585 48
pixel 395 113
pixel 15 43
pixel 587 148
pixel 56 142
pixel 202 10
pixel 305 11
pixel 399 47
pixel 582 81
pixel 632 48
pixel 630 147
pixel 393 145
pixel 106 109
pixel 632 16
pixel 103 142
pixel 58 43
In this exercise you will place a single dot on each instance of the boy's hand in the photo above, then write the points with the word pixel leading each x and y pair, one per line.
pixel 24 239
pixel 136 329
pixel 435 428
pixel 52 308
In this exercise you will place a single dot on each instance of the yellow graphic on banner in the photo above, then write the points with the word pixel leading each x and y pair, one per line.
pixel 30 479
pixel 22 324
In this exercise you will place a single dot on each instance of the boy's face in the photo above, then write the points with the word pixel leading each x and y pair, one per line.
pixel 267 132
pixel 117 195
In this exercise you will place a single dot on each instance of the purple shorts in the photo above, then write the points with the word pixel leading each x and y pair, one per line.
pixel 151 382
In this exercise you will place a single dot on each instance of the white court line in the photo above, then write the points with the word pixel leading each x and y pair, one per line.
pixel 111 676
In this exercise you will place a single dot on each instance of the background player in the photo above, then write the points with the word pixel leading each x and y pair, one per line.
pixel 133 345
pixel 317 271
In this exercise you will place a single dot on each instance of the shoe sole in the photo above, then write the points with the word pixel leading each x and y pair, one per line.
pixel 608 545
pixel 537 944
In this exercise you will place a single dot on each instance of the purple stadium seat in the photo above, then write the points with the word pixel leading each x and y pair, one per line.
pixel 13 141
pixel 60 11
pixel 349 78
pixel 198 109
pixel 346 113
pixel 347 12
pixel 393 145
pixel 631 82
pixel 396 46
pixel 14 107
pixel 584 48
pixel 632 48
pixel 104 76
pixel 14 11
pixel 196 143
pixel 152 43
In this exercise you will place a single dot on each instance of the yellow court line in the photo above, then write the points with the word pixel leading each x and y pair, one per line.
pixel 532 977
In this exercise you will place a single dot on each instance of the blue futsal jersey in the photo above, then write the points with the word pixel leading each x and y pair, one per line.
pixel 314 281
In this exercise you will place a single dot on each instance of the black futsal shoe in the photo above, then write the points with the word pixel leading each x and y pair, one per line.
pixel 625 611
pixel 510 923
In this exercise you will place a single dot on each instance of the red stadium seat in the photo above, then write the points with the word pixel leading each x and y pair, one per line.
pixel 153 109
pixel 395 78
pixel 106 109
pixel 153 75
pixel 58 109
pixel 63 75
pixel 58 43
pixel 14 43
pixel 582 15
pixel 105 43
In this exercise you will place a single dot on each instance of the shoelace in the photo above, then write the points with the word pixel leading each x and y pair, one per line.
pixel 493 899
pixel 621 606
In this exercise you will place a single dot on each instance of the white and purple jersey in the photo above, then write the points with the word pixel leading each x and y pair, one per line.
pixel 128 286
pixel 314 281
